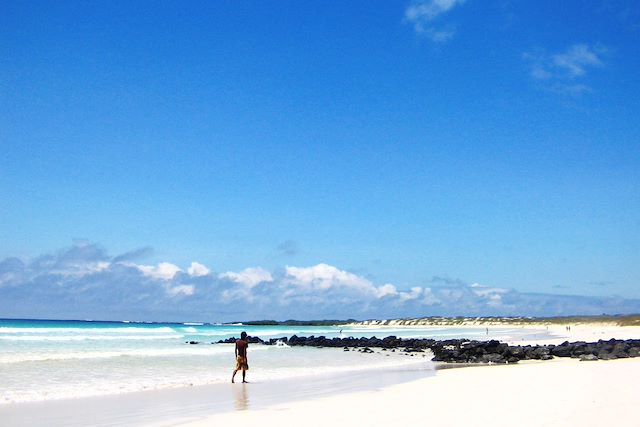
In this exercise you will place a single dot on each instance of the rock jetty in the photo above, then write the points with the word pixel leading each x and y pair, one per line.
pixel 466 351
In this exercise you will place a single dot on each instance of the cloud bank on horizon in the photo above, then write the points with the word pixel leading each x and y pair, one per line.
pixel 85 282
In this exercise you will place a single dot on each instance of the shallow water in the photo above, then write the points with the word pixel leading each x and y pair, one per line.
pixel 48 360
pixel 168 406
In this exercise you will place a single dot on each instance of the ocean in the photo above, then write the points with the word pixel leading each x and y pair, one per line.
pixel 56 359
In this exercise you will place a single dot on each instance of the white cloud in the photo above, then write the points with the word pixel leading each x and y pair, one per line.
pixel 322 277
pixel 197 270
pixel 164 270
pixel 386 290
pixel 538 72
pixel 493 296
pixel 482 290
pixel 83 258
pixel 245 281
pixel 440 35
pixel 81 269
pixel 102 265
pixel 577 58
pixel 570 89
pixel 249 277
pixel 559 72
pixel 181 289
pixel 429 297
pixel 422 15
pixel 428 10
pixel 414 293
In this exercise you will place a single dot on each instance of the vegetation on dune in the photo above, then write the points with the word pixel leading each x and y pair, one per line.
pixel 619 320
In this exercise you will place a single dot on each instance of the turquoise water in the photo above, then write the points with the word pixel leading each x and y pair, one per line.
pixel 45 359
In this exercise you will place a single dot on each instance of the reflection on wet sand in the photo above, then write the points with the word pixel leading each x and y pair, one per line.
pixel 241 397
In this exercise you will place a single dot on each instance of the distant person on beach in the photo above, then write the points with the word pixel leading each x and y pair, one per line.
pixel 241 357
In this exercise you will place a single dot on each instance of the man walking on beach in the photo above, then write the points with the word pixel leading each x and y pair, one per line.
pixel 241 357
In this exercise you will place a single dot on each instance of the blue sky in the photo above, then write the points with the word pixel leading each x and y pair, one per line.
pixel 407 143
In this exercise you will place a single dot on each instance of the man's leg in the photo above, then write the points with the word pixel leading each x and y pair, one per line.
pixel 244 373
pixel 234 375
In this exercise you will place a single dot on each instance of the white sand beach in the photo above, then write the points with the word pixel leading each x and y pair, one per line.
pixel 559 393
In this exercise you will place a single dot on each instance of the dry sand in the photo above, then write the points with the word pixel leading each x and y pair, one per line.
pixel 561 392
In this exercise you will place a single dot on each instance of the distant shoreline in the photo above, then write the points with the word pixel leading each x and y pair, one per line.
pixel 600 320
pixel 604 320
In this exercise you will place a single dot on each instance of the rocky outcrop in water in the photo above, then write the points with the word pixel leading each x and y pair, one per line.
pixel 466 351
pixel 251 340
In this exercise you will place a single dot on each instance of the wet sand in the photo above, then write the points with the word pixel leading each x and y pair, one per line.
pixel 180 405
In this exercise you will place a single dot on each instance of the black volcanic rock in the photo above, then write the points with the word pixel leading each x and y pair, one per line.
pixel 563 350
pixel 464 350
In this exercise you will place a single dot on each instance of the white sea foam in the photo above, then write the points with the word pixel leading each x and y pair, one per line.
pixel 190 350
pixel 123 330
pixel 281 332
pixel 215 334
pixel 299 362
pixel 88 337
